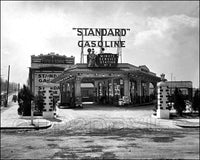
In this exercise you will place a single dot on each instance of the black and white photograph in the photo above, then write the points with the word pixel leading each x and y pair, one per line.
pixel 100 80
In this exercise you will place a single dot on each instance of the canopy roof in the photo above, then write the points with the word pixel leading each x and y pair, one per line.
pixel 122 68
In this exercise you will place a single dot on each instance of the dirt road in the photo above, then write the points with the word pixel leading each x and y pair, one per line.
pixel 101 143
pixel 102 133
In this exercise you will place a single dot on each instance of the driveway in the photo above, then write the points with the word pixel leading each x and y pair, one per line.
pixel 106 117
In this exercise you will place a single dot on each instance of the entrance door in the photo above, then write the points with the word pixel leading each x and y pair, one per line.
pixel 87 92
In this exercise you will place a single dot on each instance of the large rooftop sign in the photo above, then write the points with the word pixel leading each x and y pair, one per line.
pixel 101 32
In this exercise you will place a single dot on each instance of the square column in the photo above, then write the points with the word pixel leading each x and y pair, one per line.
pixel 126 87
pixel 78 87
pixel 112 88
pixel 139 88
pixel 96 85
pixel 126 91
pixel 147 85
pixel 147 89
pixel 77 96
pixel 139 91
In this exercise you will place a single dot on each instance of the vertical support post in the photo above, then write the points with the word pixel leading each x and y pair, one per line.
pixel 126 87
pixel 61 92
pixel 7 86
pixel 96 84
pixel 101 48
pixel 82 51
pixel 139 89
pixel 119 49
pixel 78 87
pixel 18 87
pixel 126 90
pixel 78 98
pixel 32 108
pixel 171 89
pixel 147 88
pixel 112 88
pixel 30 79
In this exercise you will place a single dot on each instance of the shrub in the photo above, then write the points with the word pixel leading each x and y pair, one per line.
pixel 179 103
pixel 24 100
pixel 196 101
pixel 39 103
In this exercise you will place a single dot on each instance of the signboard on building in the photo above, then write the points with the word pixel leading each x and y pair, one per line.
pixel 102 60
pixel 46 77
pixel 52 59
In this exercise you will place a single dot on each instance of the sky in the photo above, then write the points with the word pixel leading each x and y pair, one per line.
pixel 163 35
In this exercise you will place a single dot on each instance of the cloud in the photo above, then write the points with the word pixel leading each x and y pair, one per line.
pixel 170 8
pixel 160 31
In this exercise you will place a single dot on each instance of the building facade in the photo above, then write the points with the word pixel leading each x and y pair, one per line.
pixel 45 68
pixel 185 87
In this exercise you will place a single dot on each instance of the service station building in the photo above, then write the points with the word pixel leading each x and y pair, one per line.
pixel 100 80
pixel 103 80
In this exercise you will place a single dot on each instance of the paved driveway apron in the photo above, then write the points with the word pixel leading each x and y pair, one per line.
pixel 107 117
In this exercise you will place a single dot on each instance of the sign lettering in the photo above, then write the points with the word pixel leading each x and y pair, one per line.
pixel 101 32
pixel 102 60
pixel 44 77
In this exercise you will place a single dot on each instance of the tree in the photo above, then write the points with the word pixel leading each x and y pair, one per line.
pixel 39 102
pixel 179 103
pixel 196 101
pixel 24 100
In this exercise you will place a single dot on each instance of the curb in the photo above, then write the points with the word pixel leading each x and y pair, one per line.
pixel 36 127
pixel 187 124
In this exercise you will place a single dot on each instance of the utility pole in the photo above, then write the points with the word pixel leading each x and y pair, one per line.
pixel 7 86
pixel 18 87
pixel 101 48
pixel 82 50
pixel 171 89
pixel 119 50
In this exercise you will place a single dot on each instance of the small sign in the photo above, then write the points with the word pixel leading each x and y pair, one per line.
pixel 102 60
